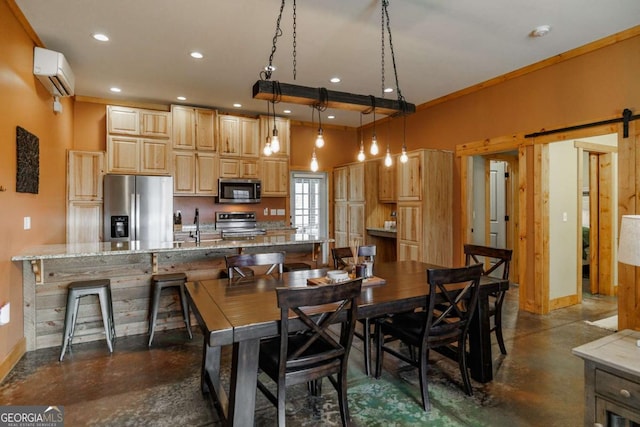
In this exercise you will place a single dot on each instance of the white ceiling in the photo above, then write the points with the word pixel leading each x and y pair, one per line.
pixel 440 46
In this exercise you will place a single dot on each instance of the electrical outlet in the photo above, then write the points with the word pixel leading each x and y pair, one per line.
pixel 27 223
pixel 266 211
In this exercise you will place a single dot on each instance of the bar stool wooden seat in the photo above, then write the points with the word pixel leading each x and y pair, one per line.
pixel 76 290
pixel 160 282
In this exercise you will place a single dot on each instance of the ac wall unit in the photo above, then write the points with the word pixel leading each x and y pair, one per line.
pixel 53 71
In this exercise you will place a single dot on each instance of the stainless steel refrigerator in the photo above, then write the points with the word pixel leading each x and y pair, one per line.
pixel 138 208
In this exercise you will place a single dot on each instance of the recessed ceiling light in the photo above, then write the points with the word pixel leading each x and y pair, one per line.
pixel 287 111
pixel 331 117
pixel 237 105
pixel 335 80
pixel 181 98
pixel 101 37
pixel 115 89
pixel 196 55
pixel 540 31
pixel 388 90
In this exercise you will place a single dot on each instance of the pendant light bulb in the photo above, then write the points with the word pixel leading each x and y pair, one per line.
pixel 319 139
pixel 403 157
pixel 388 161
pixel 314 161
pixel 267 149
pixel 361 155
pixel 374 145
pixel 275 141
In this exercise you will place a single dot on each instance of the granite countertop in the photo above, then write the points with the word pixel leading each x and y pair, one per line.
pixel 124 248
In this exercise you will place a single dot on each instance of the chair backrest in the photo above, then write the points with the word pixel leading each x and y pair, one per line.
pixel 456 297
pixel 368 251
pixel 339 255
pixel 317 346
pixel 491 258
pixel 235 262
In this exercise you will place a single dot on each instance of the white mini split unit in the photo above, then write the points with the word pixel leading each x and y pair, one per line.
pixel 54 72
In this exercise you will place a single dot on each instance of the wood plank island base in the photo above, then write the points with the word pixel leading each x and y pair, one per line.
pixel 47 271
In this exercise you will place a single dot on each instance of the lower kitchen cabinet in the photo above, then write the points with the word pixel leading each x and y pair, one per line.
pixel 84 221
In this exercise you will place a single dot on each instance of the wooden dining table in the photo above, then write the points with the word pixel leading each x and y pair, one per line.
pixel 241 312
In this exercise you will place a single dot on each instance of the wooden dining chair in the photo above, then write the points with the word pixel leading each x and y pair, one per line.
pixel 237 264
pixel 449 306
pixel 305 351
pixel 496 263
pixel 340 256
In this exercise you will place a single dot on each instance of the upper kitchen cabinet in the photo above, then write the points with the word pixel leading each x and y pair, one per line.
pixel 274 174
pixel 195 173
pixel 138 122
pixel 387 182
pixel 238 136
pixel 193 128
pixel 282 126
pixel 138 141
pixel 409 175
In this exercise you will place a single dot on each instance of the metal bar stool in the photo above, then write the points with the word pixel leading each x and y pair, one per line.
pixel 77 290
pixel 160 282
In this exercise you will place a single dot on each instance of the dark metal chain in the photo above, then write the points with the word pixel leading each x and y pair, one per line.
pixel 294 39
pixel 266 74
pixel 383 6
pixel 385 3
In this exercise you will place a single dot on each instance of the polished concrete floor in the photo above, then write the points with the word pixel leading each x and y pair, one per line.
pixel 539 383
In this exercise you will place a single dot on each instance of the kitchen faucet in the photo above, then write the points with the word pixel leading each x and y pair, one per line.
pixel 196 221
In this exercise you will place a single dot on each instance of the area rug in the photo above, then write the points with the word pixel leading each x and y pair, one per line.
pixel 608 323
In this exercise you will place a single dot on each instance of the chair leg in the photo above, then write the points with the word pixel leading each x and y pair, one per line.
pixel 379 338
pixel 342 398
pixel 106 316
pixel 281 403
pixel 154 312
pixel 68 323
pixel 462 362
pixel 424 385
pixel 185 310
pixel 498 330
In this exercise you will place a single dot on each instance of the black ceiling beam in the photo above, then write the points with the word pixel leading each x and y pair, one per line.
pixel 283 92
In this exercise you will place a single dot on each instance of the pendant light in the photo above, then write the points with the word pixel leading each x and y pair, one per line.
pixel 319 138
pixel 275 141
pixel 388 161
pixel 361 155
pixel 374 140
pixel 267 150
pixel 403 156
pixel 314 162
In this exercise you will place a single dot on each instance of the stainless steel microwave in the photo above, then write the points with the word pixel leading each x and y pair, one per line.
pixel 232 190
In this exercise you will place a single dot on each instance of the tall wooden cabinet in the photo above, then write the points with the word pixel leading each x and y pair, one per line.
pixel 138 141
pixel 425 207
pixel 85 171
pixel 195 157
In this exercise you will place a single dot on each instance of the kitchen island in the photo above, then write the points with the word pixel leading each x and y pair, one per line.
pixel 47 271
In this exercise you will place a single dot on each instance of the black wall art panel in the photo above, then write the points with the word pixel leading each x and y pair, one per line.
pixel 28 170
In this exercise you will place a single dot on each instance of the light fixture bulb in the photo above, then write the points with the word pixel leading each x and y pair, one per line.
pixel 361 155
pixel 374 145
pixel 388 161
pixel 320 139
pixel 314 161
pixel 267 149
pixel 403 157
pixel 275 141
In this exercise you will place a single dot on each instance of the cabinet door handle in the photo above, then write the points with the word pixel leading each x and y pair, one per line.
pixel 625 393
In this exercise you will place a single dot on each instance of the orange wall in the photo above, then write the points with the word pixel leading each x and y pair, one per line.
pixel 26 103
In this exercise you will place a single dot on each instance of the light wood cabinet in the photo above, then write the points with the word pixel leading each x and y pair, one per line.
pixel 387 182
pixel 195 173
pixel 238 168
pixel 131 155
pixel 274 173
pixel 193 128
pixel 410 177
pixel 238 136
pixel 85 172
pixel 350 204
pixel 340 180
pixel 138 141
pixel 139 122
pixel 283 126
pixel 356 183
pixel 424 221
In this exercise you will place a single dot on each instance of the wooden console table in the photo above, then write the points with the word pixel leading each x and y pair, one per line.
pixel 612 379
